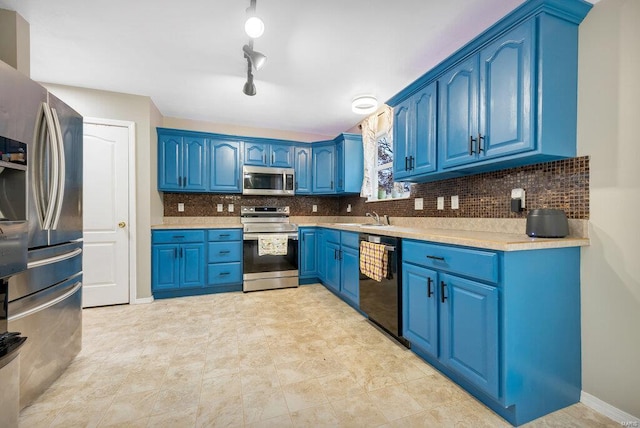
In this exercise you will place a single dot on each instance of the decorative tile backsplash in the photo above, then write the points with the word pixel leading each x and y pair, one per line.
pixel 562 184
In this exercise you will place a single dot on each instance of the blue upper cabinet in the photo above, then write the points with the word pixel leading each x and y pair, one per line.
pixel 349 163
pixel 458 126
pixel 415 135
pixel 507 98
pixel 225 165
pixel 195 163
pixel 268 154
pixel 182 163
pixel 256 154
pixel 324 167
pixel 302 165
pixel 338 165
pixel 486 103
pixel 169 162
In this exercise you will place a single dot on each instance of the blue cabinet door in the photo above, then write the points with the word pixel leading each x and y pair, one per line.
pixel 458 114
pixel 281 155
pixel 402 130
pixel 469 330
pixel 415 134
pixel 169 162
pixel 165 267
pixel 350 275
pixel 225 169
pixel 340 167
pixel 324 161
pixel 332 266
pixel 307 254
pixel 321 251
pixel 420 307
pixel 192 265
pixel 194 164
pixel 256 153
pixel 424 138
pixel 507 75
pixel 302 167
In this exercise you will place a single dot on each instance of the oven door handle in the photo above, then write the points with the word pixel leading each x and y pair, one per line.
pixel 254 236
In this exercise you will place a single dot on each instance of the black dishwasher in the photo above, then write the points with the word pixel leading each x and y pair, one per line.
pixel 382 300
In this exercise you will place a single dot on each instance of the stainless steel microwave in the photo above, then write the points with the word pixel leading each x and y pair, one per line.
pixel 260 180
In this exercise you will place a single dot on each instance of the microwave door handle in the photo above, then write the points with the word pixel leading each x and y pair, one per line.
pixel 61 170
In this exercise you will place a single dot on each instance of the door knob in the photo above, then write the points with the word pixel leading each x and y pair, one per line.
pixel 122 225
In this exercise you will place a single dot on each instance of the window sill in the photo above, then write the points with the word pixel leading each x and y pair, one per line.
pixel 387 199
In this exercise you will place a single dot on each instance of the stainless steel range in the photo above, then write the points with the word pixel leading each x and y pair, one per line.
pixel 270 248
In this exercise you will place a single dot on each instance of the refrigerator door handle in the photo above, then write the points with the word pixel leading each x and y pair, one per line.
pixel 57 210
pixel 42 175
pixel 55 259
pixel 45 305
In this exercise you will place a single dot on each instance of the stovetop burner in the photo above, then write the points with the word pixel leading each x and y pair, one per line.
pixel 257 219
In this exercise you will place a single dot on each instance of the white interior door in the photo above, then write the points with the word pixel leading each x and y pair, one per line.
pixel 105 215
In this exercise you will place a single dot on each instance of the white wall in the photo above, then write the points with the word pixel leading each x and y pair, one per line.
pixel 220 128
pixel 142 111
pixel 608 131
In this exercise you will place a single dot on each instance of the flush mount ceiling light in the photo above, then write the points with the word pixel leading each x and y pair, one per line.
pixel 254 27
pixel 364 104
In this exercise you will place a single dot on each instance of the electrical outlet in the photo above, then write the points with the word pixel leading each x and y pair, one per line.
pixel 349 208
pixel 454 202
pixel 418 204
pixel 440 202
pixel 219 208
pixel 314 209
pixel 231 208
pixel 180 207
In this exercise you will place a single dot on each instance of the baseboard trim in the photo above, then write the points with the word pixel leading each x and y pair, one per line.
pixel 143 300
pixel 608 410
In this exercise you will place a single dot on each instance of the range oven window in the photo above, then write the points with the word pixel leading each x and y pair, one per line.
pixel 253 263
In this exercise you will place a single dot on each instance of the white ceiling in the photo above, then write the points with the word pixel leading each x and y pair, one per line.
pixel 187 55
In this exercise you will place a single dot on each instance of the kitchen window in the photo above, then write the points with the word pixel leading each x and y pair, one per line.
pixel 383 186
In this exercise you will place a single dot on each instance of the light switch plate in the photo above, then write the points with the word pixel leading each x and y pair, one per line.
pixel 454 202
pixel 419 204
pixel 349 208
pixel 219 208
pixel 180 207
pixel 231 208
pixel 440 202
pixel 314 209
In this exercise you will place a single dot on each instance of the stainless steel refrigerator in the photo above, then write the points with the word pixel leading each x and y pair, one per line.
pixel 45 301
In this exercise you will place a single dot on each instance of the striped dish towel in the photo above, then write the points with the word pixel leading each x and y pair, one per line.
pixel 374 260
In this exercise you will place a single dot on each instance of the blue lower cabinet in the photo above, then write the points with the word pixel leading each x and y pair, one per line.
pixel 339 256
pixel 420 304
pixel 503 325
pixel 469 330
pixel 184 264
pixel 224 273
pixel 307 259
pixel 350 275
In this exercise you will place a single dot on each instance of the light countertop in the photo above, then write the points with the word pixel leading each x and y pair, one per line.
pixel 495 234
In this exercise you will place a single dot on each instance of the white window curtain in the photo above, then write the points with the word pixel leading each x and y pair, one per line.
pixel 381 121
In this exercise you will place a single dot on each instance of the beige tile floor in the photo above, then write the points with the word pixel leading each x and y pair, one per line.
pixel 297 357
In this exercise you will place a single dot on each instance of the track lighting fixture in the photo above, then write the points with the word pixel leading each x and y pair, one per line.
pixel 255 58
pixel 254 27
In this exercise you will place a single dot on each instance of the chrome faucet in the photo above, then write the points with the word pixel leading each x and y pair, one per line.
pixel 377 217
